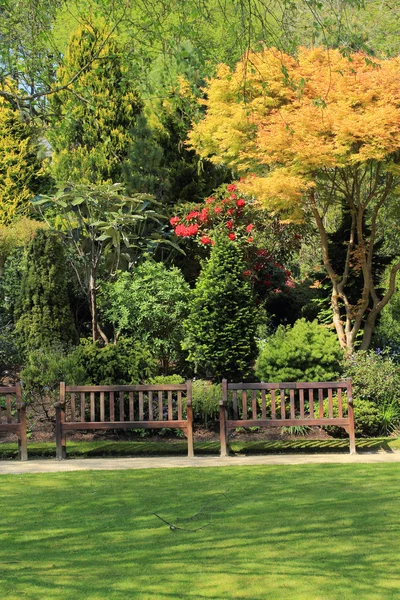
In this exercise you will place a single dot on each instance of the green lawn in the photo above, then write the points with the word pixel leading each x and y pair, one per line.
pixel 291 532
pixel 179 447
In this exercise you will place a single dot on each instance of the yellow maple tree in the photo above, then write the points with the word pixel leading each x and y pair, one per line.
pixel 309 132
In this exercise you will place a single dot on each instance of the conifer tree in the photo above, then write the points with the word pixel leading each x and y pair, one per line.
pixel 222 322
pixel 21 169
pixel 43 316
pixel 91 135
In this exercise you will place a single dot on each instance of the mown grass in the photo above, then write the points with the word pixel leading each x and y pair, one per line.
pixel 179 448
pixel 316 532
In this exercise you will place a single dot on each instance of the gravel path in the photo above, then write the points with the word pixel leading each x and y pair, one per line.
pixel 113 464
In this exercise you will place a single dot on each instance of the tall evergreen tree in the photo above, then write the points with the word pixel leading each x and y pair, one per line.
pixel 43 316
pixel 222 322
pixel 91 136
pixel 21 168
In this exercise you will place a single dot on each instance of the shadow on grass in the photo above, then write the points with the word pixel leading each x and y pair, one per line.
pixel 179 448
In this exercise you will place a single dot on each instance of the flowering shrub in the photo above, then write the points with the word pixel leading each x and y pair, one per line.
pixel 229 213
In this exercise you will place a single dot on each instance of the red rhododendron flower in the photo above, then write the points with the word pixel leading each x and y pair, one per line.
pixel 230 211
pixel 247 273
pixel 204 215
pixel 217 210
pixel 174 220
pixel 232 236
pixel 233 197
pixel 229 224
pixel 250 227
pixel 250 239
pixel 240 203
pixel 205 239
pixel 231 187
pixel 192 215
pixel 210 199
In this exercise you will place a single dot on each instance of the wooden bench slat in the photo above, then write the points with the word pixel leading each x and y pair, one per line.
pixel 73 407
pixel 321 402
pixel 121 406
pixel 340 404
pixel 160 406
pixel 179 406
pixel 283 407
pixel 273 404
pixel 92 407
pixel 244 404
pixel 68 426
pixel 170 406
pixel 82 407
pixel 330 403
pixel 301 398
pixel 131 411
pixel 112 407
pixel 102 411
pixel 311 401
pixel 140 406
pixel 292 409
pixel 285 422
pixel 254 403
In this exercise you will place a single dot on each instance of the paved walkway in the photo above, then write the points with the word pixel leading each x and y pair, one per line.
pixel 113 464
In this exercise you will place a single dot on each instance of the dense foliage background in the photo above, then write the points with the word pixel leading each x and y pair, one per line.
pixel 136 240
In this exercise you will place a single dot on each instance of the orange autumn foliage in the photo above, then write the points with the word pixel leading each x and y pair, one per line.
pixel 286 119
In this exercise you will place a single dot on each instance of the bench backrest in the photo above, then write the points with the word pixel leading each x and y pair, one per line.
pixel 289 402
pixel 125 403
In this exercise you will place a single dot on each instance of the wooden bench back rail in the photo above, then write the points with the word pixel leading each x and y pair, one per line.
pixel 124 407
pixel 286 404
pixel 13 416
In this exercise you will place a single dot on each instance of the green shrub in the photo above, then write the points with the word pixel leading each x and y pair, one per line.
pixel 166 380
pixel 150 304
pixel 42 312
pixel 128 362
pixel 375 377
pixel 41 377
pixel 305 352
pixel 221 327
pixel 206 397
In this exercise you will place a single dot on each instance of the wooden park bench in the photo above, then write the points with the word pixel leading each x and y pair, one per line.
pixel 13 416
pixel 91 407
pixel 286 405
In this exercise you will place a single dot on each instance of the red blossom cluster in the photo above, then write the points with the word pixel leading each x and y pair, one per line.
pixel 228 212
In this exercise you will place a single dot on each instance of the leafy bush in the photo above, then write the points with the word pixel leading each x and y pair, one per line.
pixel 221 327
pixel 305 352
pixel 128 362
pixel 375 377
pixel 166 380
pixel 41 377
pixel 206 397
pixel 150 305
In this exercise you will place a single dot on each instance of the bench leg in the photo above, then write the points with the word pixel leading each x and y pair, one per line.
pixel 22 437
pixel 61 452
pixel 189 412
pixel 223 431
